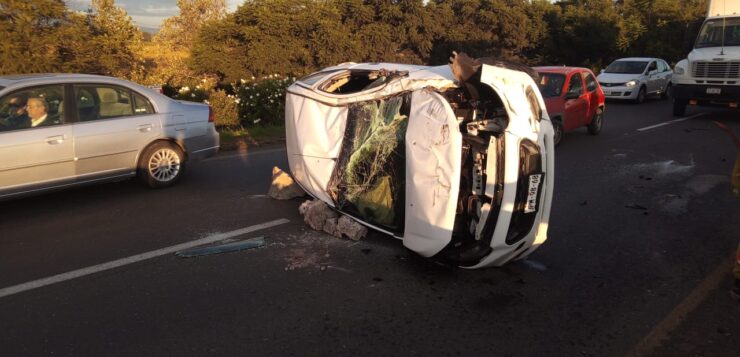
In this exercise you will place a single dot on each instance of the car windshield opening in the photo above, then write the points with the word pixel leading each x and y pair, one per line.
pixel 359 81
pixel 711 34
pixel 626 67
pixel 551 84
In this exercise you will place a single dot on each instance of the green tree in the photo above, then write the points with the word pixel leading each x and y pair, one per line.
pixel 32 31
pixel 170 49
pixel 105 42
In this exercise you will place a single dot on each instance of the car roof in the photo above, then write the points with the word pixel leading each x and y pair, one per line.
pixel 637 59
pixel 560 69
pixel 19 78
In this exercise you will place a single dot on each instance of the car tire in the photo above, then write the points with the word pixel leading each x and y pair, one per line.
pixel 161 165
pixel 641 95
pixel 679 107
pixel 667 92
pixel 597 122
pixel 557 127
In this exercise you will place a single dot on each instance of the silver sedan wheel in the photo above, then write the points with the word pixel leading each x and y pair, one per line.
pixel 164 165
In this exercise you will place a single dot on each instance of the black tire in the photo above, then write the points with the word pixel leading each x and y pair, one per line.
pixel 641 95
pixel 161 164
pixel 557 128
pixel 597 122
pixel 667 92
pixel 679 107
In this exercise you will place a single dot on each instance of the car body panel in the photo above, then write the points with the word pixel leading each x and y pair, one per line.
pixel 321 128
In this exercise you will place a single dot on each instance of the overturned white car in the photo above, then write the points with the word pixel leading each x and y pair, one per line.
pixel 457 161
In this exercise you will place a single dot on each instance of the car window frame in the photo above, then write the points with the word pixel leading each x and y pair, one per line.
pixel 596 83
pixel 651 64
pixel 583 86
pixel 72 98
pixel 65 117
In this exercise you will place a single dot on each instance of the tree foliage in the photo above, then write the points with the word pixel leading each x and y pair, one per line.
pixel 267 37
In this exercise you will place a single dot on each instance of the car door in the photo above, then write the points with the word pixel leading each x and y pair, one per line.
pixel 653 77
pixel 36 142
pixel 592 89
pixel 665 74
pixel 576 103
pixel 111 129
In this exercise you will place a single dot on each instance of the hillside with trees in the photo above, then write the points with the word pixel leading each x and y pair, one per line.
pixel 208 50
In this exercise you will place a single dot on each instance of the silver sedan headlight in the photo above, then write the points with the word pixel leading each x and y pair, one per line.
pixel 631 83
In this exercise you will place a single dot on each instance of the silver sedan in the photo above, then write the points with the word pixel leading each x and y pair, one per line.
pixel 62 130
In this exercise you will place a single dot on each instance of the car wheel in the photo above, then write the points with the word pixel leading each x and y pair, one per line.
pixel 667 92
pixel 679 107
pixel 161 165
pixel 641 96
pixel 557 127
pixel 596 123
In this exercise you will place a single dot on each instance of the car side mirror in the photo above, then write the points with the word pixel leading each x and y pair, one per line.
pixel 602 70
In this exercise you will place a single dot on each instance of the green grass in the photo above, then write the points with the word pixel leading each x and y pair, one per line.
pixel 232 139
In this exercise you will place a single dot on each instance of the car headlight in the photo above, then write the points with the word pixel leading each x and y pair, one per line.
pixel 631 83
pixel 678 70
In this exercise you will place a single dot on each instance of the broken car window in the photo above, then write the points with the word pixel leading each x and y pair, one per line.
pixel 357 81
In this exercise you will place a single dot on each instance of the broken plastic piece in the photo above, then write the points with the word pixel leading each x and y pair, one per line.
pixel 222 248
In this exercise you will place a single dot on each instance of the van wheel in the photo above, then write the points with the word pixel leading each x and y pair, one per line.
pixel 641 96
pixel 161 165
pixel 596 123
pixel 557 127
pixel 679 107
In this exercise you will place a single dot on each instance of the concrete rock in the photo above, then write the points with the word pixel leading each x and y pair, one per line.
pixel 315 214
pixel 283 187
pixel 330 226
pixel 349 227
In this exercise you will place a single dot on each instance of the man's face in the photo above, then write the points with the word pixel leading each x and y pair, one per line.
pixel 35 109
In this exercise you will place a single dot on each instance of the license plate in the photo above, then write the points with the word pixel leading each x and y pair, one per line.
pixel 714 90
pixel 533 193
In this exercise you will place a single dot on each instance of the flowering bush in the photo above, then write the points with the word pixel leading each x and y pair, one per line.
pixel 262 102
pixel 224 108
pixel 197 94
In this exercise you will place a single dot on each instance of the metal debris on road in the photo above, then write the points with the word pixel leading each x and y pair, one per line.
pixel 222 248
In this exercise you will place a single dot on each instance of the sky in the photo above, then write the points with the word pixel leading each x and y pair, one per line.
pixel 148 14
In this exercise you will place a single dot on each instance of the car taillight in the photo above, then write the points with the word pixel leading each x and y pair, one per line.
pixel 211 115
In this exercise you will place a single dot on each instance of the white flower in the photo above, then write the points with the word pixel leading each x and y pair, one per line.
pixel 243 81
pixel 193 95
pixel 197 87
pixel 252 77
pixel 206 101
pixel 257 120
pixel 237 100
pixel 251 97
pixel 277 75
pixel 257 94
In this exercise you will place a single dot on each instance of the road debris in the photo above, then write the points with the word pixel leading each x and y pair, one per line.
pixel 319 216
pixel 283 187
pixel 636 206
pixel 222 248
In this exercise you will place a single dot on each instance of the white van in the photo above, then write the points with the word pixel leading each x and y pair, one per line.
pixel 711 73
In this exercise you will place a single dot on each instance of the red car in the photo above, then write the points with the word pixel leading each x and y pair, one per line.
pixel 573 99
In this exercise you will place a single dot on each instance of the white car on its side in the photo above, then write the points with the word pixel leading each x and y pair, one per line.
pixel 635 78
pixel 457 161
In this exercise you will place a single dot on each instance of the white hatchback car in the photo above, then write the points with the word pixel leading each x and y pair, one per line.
pixel 457 161
pixel 61 130
pixel 635 78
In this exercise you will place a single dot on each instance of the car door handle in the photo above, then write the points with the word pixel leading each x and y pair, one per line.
pixel 55 140
pixel 145 128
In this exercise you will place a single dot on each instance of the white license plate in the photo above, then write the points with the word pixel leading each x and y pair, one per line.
pixel 533 193
pixel 714 90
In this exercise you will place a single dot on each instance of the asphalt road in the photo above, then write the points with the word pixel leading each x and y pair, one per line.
pixel 637 262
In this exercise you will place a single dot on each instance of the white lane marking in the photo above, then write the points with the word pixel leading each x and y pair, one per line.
pixel 134 259
pixel 243 155
pixel 671 122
